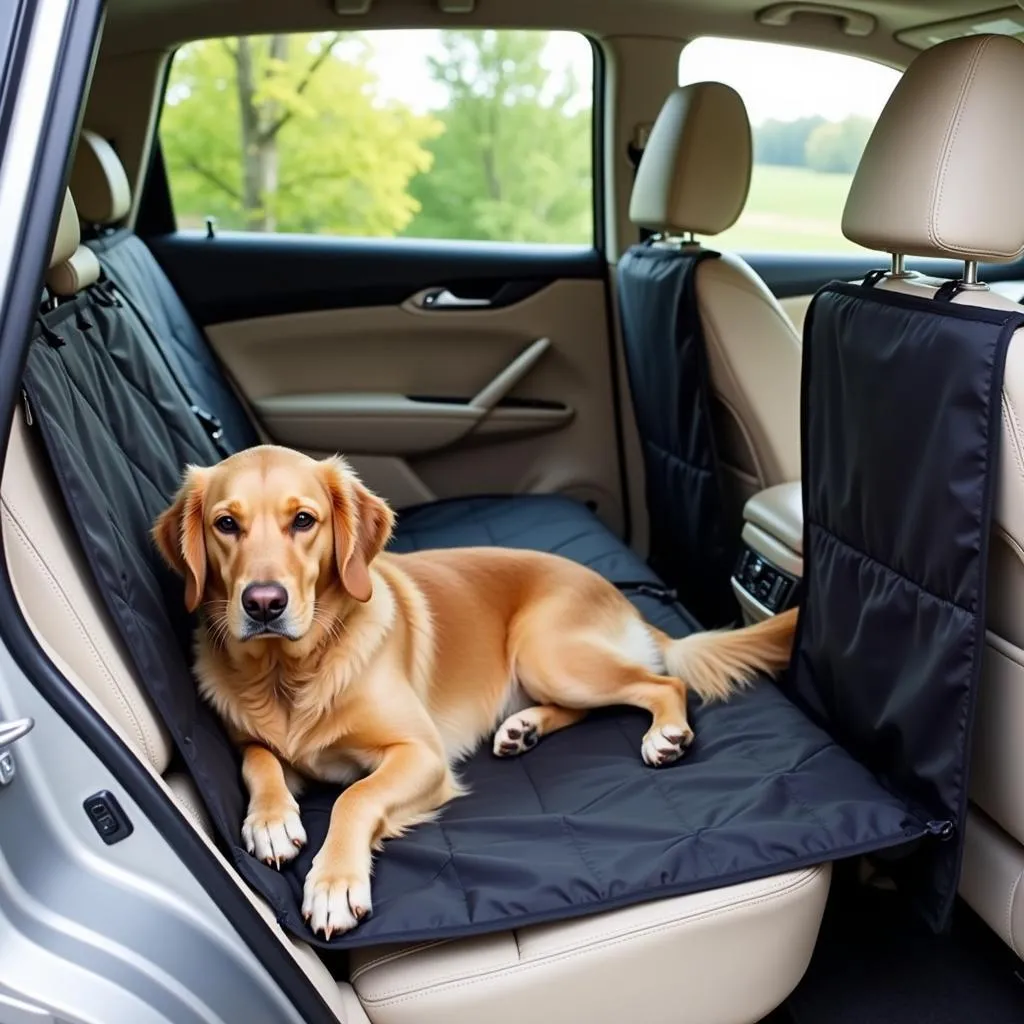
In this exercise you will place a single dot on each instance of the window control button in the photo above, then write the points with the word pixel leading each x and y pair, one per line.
pixel 107 817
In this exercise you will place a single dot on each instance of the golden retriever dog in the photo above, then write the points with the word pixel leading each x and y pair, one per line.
pixel 330 660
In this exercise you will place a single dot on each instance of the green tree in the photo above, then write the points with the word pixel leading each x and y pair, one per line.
pixel 784 143
pixel 282 133
pixel 835 147
pixel 514 161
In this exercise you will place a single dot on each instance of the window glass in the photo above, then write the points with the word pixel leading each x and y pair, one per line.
pixel 469 134
pixel 811 113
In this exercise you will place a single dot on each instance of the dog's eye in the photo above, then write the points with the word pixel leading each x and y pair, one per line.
pixel 226 524
pixel 302 521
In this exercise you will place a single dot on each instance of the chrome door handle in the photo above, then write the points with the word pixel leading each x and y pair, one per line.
pixel 11 732
pixel 442 298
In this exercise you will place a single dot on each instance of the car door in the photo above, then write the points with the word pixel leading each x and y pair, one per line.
pixel 394 274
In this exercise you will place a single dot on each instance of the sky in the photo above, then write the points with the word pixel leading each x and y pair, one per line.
pixel 783 82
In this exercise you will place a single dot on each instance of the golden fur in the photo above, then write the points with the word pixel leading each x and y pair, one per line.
pixel 385 670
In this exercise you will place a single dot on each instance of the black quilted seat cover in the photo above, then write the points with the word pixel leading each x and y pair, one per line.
pixel 579 824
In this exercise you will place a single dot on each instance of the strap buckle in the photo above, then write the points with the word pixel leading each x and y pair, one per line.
pixel 211 424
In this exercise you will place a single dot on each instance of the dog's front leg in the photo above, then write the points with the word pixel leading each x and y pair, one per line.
pixel 272 829
pixel 411 781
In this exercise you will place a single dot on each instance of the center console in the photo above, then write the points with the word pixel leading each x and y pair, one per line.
pixel 770 563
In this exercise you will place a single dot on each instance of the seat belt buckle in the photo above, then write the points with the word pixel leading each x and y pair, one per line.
pixel 211 424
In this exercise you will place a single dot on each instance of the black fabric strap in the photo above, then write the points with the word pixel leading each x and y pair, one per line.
pixel 872 277
pixel 208 420
pixel 948 291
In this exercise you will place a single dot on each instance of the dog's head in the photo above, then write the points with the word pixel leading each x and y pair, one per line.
pixel 263 535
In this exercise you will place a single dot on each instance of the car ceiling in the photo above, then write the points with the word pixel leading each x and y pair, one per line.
pixel 135 25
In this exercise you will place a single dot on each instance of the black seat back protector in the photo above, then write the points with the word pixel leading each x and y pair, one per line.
pixel 901 422
pixel 130 264
pixel 578 825
pixel 693 542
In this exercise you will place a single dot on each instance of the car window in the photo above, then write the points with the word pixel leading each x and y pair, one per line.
pixel 811 113
pixel 468 134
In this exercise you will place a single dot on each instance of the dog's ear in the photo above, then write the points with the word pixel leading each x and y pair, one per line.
pixel 180 537
pixel 362 526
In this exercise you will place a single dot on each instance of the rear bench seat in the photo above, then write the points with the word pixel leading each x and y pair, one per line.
pixel 679 952
pixel 99 186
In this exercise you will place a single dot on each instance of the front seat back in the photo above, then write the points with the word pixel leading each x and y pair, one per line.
pixel 714 362
pixel 938 179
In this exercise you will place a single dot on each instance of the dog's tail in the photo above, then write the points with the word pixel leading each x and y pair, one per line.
pixel 716 663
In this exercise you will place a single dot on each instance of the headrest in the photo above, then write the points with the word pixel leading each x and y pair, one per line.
pixel 99 183
pixel 941 172
pixel 72 266
pixel 68 235
pixel 695 171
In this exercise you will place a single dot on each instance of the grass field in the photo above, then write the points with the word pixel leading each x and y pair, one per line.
pixel 791 209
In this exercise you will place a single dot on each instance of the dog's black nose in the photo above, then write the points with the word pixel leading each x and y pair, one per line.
pixel 264 602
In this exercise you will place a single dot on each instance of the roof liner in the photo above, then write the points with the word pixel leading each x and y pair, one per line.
pixel 134 25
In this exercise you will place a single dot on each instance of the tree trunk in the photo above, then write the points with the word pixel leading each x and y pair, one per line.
pixel 259 145
pixel 249 118
pixel 268 154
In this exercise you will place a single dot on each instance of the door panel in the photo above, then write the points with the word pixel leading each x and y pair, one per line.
pixel 347 346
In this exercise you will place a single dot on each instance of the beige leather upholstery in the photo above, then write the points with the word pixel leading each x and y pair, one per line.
pixel 646 962
pixel 72 266
pixel 779 511
pixel 695 172
pixel 942 166
pixel 98 182
pixel 694 176
pixel 669 960
pixel 68 235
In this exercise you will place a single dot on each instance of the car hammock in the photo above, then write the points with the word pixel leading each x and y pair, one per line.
pixel 580 824
pixel 693 542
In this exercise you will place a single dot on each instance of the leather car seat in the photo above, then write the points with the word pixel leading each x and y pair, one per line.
pixel 692 182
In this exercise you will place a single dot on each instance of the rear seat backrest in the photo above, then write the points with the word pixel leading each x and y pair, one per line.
pixel 103 197
pixel 61 602
pixel 57 591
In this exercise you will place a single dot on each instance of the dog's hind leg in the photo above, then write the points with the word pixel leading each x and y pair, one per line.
pixel 521 731
pixel 579 674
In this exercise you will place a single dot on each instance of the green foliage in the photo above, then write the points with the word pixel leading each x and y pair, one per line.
pixel 282 133
pixel 514 162
pixel 784 143
pixel 836 147
pixel 829 147
pixel 288 133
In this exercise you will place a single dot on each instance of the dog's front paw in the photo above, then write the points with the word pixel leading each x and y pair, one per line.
pixel 665 744
pixel 515 735
pixel 334 901
pixel 275 835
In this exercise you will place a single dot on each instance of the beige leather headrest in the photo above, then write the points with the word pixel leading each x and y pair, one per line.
pixel 72 266
pixel 695 171
pixel 98 182
pixel 941 172
pixel 68 234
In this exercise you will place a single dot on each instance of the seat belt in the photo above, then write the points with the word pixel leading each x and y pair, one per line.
pixel 207 420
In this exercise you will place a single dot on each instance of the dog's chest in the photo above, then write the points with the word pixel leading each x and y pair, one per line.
pixel 331 766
